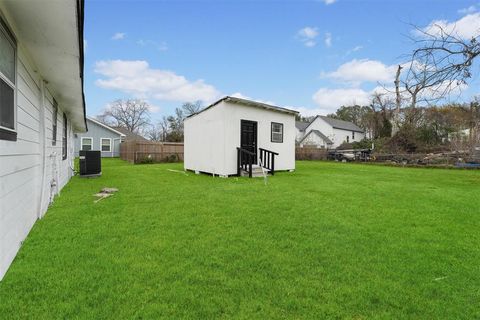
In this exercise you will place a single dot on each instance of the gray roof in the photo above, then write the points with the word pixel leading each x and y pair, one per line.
pixel 301 125
pixel 340 124
pixel 321 135
pixel 129 135
pixel 248 103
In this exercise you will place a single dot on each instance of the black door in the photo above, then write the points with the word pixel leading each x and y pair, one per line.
pixel 248 137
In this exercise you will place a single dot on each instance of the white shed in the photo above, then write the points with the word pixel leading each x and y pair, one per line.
pixel 233 134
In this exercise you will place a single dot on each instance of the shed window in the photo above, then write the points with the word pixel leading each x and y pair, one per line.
pixel 353 135
pixel 54 122
pixel 87 144
pixel 7 84
pixel 277 132
pixel 64 137
pixel 106 144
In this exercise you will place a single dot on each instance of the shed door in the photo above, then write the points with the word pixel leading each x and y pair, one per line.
pixel 248 137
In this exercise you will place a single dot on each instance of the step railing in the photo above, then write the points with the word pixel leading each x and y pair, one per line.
pixel 267 158
pixel 245 160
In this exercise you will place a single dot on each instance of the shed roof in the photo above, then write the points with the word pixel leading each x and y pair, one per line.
pixel 248 103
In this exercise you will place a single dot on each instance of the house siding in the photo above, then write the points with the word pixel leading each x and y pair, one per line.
pixel 22 162
pixel 97 132
pixel 311 139
pixel 337 136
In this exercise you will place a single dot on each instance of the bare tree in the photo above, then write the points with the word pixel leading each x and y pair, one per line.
pixel 159 131
pixel 446 59
pixel 132 114
pixel 190 108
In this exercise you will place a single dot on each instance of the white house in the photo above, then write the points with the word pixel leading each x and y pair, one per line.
pixel 41 105
pixel 225 135
pixel 325 132
pixel 99 137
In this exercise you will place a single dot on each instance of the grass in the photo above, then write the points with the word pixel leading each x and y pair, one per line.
pixel 330 240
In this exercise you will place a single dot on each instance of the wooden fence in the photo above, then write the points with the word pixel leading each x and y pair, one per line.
pixel 151 151
pixel 310 153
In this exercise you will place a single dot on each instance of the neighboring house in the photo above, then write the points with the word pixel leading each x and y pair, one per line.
pixel 325 132
pixel 129 135
pixel 42 104
pixel 213 135
pixel 99 137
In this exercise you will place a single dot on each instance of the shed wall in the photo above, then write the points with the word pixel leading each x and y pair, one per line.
pixel 204 141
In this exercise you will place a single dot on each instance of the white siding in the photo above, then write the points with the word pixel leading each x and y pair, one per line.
pixel 22 162
pixel 212 137
pixel 204 141
pixel 312 139
pixel 337 136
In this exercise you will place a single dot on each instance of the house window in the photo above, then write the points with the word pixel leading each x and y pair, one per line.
pixel 277 132
pixel 64 137
pixel 86 144
pixel 106 144
pixel 54 122
pixel 7 84
pixel 353 135
pixel 348 139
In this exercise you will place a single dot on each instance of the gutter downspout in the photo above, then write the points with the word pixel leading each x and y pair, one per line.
pixel 43 141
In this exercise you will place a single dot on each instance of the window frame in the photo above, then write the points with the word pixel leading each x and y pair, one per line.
pixel 6 133
pixel 353 135
pixel 65 137
pixel 54 122
pixel 109 145
pixel 81 143
pixel 271 132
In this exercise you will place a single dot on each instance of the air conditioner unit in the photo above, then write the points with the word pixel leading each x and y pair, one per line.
pixel 90 163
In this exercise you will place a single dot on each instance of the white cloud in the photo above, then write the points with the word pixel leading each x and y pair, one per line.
pixel 160 46
pixel 357 71
pixel 118 36
pixel 357 48
pixel 328 39
pixel 328 2
pixel 85 45
pixel 139 80
pixel 308 36
pixel 468 10
pixel 331 99
pixel 465 28
pixel 242 96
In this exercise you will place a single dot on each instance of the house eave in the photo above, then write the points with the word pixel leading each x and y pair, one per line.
pixel 52 34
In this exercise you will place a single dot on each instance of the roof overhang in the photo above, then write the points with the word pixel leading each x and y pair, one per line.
pixel 250 103
pixel 52 34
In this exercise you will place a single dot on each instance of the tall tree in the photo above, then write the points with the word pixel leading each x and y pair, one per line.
pixel 132 114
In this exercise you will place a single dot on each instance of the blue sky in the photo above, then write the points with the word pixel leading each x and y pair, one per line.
pixel 310 55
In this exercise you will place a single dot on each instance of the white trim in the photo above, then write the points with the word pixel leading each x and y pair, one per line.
pixel 105 126
pixel 81 143
pixel 109 146
pixel 7 31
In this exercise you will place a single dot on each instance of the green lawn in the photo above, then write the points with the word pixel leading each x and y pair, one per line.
pixel 330 240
